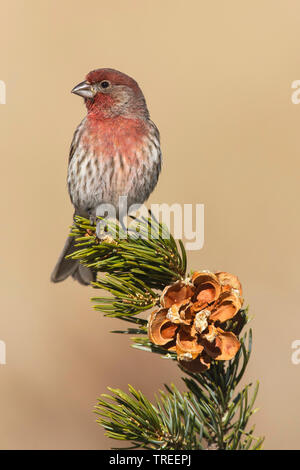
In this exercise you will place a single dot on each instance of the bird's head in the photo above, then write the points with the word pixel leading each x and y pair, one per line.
pixel 109 93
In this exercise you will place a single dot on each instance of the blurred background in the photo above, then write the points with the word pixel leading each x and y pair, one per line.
pixel 217 78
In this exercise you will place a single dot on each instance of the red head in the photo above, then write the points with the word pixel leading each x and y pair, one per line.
pixel 109 93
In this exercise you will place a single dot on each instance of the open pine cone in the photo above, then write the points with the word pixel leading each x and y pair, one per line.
pixel 191 315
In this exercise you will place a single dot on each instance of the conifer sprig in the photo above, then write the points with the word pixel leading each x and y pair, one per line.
pixel 211 414
pixel 134 267
pixel 146 250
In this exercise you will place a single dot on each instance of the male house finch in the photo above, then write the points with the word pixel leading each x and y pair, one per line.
pixel 115 152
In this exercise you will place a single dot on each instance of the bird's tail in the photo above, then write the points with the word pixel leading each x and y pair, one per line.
pixel 71 267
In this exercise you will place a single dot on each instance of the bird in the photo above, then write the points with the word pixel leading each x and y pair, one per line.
pixel 115 152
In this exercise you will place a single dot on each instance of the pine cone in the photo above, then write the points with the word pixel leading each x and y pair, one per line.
pixel 191 315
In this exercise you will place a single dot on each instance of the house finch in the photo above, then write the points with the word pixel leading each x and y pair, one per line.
pixel 115 152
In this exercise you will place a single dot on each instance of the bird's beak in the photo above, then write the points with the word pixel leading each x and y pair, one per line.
pixel 84 89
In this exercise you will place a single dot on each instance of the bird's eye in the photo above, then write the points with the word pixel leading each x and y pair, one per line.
pixel 105 84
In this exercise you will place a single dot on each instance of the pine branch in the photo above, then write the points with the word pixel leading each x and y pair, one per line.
pixel 147 251
pixel 224 411
pixel 168 424
pixel 137 265
pixel 130 296
pixel 217 413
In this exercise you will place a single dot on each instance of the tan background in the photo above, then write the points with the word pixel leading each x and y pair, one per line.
pixel 217 77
